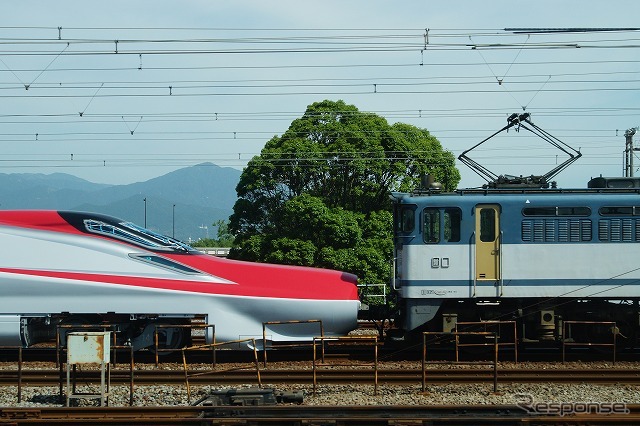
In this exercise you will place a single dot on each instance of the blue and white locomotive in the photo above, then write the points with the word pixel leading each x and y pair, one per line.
pixel 537 256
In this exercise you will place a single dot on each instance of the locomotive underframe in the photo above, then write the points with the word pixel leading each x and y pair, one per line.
pixel 537 319
pixel 136 330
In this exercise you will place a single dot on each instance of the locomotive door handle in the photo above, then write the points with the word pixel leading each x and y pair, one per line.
pixel 500 265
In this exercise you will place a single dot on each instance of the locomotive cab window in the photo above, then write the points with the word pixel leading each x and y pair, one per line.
pixel 406 220
pixel 452 219
pixel 431 231
pixel 435 231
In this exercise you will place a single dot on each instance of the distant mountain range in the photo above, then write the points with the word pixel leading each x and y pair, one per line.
pixel 202 194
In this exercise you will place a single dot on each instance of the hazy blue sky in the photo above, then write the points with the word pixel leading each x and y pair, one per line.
pixel 196 81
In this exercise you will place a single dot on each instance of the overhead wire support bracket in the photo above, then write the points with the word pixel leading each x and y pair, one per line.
pixel 521 121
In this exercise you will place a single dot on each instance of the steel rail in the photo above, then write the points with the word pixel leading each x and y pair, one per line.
pixel 342 375
pixel 312 415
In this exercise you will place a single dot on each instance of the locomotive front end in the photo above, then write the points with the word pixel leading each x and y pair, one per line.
pixel 287 303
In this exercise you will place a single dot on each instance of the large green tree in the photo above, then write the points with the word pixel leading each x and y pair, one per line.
pixel 319 194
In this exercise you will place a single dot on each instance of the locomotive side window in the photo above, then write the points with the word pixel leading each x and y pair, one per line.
pixel 616 211
pixel 574 211
pixel 556 211
pixel 431 231
pixel 407 220
pixel 622 228
pixel 452 219
pixel 487 225
pixel 539 211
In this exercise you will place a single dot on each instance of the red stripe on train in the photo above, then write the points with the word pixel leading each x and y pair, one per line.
pixel 266 290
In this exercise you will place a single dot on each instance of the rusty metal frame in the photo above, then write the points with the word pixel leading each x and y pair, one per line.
pixel 292 345
pixel 485 324
pixel 455 334
pixel 19 375
pixel 212 346
pixel 114 348
pixel 84 327
pixel 105 375
pixel 60 349
pixel 190 326
pixel 353 340
pixel 569 323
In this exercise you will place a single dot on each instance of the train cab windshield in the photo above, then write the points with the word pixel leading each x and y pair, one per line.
pixel 137 235
pixel 163 240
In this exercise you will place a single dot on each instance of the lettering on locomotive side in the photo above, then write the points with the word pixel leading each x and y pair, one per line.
pixel 436 292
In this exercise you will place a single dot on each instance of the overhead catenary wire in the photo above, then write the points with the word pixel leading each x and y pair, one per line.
pixel 25 45
pixel 379 89
pixel 321 82
pixel 393 113
pixel 307 65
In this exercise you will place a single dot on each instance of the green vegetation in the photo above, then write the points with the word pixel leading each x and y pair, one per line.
pixel 319 194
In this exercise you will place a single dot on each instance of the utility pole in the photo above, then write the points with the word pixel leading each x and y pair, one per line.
pixel 629 151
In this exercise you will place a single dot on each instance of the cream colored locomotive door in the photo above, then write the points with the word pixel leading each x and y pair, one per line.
pixel 487 280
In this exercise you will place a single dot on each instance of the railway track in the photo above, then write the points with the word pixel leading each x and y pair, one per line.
pixel 337 376
pixel 309 415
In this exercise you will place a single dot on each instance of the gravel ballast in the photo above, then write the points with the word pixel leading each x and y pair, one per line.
pixel 358 394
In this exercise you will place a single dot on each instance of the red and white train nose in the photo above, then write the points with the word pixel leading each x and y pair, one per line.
pixel 61 266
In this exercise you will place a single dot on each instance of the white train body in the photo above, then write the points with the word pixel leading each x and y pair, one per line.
pixel 71 267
